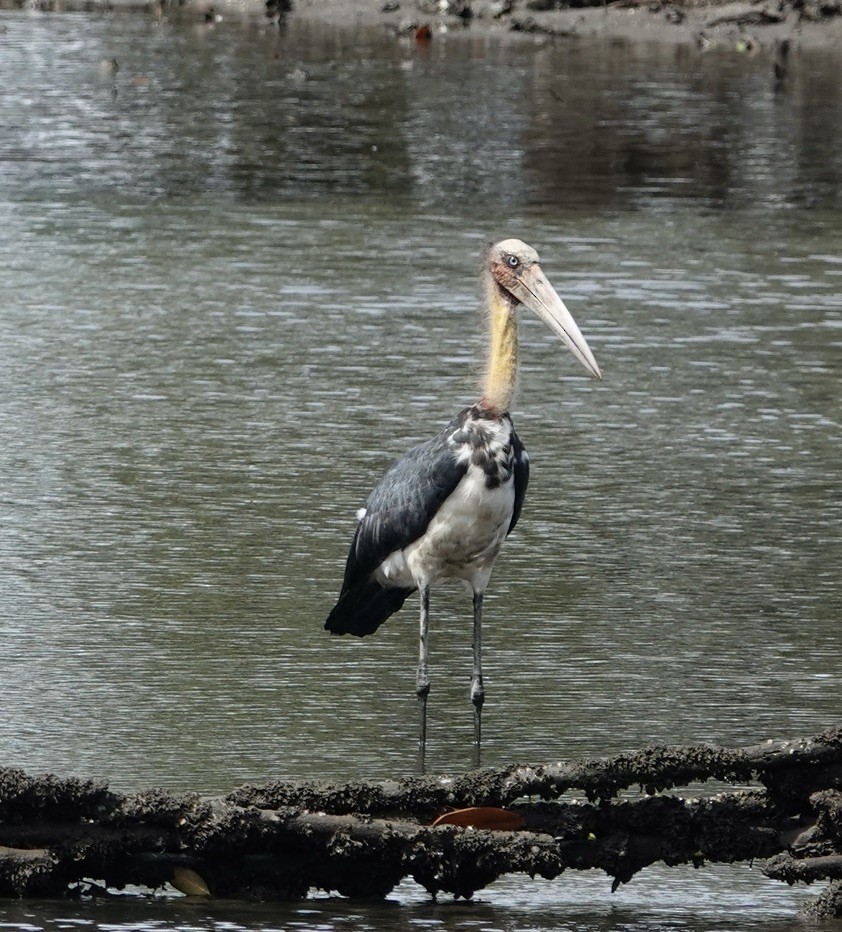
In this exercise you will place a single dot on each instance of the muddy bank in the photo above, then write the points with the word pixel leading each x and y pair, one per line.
pixel 742 26
pixel 282 840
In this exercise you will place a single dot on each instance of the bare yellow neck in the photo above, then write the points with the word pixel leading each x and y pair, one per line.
pixel 501 373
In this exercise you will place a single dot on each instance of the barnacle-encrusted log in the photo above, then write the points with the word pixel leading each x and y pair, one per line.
pixel 283 839
pixel 654 768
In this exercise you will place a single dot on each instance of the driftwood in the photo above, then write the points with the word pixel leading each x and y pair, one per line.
pixel 284 839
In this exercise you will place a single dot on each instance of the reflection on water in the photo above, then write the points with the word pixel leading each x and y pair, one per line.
pixel 696 901
pixel 227 304
pixel 471 121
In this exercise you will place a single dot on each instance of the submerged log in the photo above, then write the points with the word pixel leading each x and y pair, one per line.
pixel 284 839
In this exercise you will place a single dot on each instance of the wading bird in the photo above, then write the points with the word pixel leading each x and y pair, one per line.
pixel 443 510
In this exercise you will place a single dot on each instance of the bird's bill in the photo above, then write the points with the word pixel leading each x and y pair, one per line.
pixel 534 290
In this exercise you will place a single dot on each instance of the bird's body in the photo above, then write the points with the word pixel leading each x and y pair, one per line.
pixel 463 539
pixel 443 510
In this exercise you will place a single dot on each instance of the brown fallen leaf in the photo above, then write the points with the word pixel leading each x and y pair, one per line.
pixel 487 817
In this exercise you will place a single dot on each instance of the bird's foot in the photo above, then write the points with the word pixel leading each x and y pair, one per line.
pixel 477 754
pixel 477 700
pixel 422 732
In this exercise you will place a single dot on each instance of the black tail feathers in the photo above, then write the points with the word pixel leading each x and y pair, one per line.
pixel 364 608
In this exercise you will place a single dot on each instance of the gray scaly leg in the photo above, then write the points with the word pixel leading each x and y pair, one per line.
pixel 422 679
pixel 477 690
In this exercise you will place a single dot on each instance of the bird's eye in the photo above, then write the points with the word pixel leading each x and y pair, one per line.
pixel 512 261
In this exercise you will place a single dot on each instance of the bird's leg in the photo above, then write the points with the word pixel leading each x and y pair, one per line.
pixel 422 679
pixel 477 690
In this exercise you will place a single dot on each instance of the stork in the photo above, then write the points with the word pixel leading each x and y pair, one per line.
pixel 443 510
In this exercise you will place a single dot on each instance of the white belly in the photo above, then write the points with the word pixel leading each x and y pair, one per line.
pixel 461 542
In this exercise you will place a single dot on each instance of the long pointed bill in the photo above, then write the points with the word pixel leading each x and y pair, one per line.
pixel 532 289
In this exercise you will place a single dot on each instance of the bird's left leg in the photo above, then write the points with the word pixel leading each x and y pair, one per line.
pixel 477 690
pixel 422 679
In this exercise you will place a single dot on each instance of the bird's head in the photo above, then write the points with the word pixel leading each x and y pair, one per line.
pixel 513 267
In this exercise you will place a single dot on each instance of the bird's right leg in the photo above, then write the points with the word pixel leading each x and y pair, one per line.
pixel 477 689
pixel 422 679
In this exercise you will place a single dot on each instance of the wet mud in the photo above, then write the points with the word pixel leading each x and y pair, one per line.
pixel 741 26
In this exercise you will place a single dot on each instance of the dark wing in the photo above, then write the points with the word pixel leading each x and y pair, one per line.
pixel 521 477
pixel 402 505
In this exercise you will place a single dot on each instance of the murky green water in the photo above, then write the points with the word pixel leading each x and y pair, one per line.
pixel 239 277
